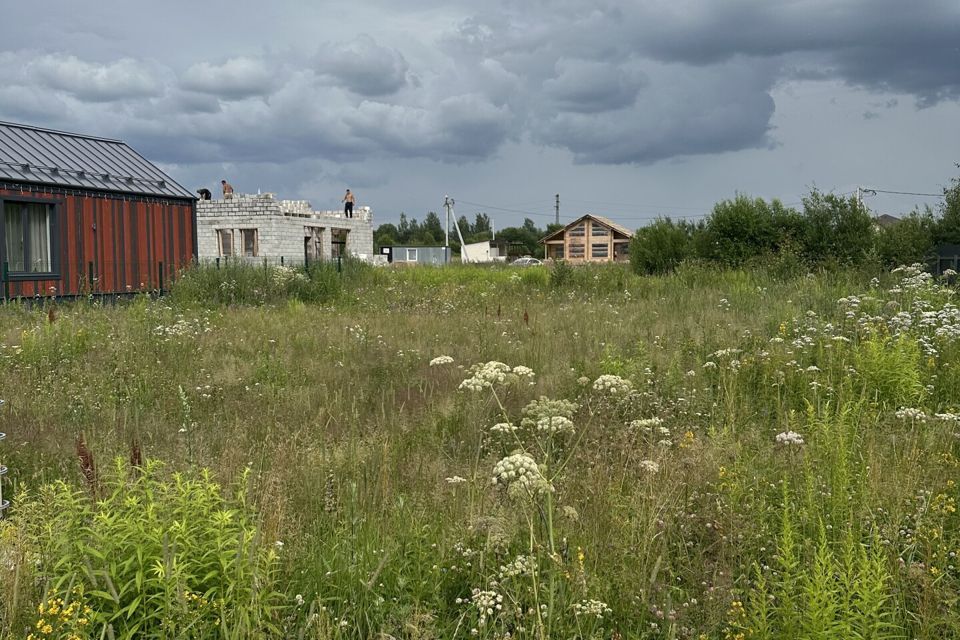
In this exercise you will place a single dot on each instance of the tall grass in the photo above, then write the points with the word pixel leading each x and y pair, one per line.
pixel 679 507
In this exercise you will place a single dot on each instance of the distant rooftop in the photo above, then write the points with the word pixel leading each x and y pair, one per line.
pixel 56 158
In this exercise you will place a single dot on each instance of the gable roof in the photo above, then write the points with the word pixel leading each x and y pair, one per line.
pixel 43 156
pixel 604 221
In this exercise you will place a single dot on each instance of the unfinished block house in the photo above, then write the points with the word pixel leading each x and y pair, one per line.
pixel 588 239
pixel 260 227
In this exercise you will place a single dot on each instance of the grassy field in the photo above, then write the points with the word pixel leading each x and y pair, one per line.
pixel 485 453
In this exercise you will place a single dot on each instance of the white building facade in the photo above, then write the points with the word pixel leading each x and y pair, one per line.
pixel 260 227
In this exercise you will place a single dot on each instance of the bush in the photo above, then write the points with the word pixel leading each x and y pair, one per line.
pixel 661 246
pixel 908 241
pixel 836 228
pixel 155 556
pixel 744 228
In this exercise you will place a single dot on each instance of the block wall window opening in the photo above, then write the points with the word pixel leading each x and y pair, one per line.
pixel 599 230
pixel 576 251
pixel 411 255
pixel 225 237
pixel 556 251
pixel 28 236
pixel 579 230
pixel 250 243
pixel 600 250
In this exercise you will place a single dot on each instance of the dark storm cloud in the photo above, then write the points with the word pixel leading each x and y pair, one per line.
pixel 363 66
pixel 590 87
pixel 884 45
pixel 610 81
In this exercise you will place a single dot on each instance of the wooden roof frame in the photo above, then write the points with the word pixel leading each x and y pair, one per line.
pixel 613 226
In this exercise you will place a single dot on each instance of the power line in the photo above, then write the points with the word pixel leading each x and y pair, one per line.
pixel 908 193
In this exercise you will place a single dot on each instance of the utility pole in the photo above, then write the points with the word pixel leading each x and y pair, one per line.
pixel 859 197
pixel 556 208
pixel 447 205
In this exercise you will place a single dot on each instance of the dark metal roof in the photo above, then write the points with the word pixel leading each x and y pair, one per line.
pixel 42 156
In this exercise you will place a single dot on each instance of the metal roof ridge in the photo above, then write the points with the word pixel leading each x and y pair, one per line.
pixel 20 125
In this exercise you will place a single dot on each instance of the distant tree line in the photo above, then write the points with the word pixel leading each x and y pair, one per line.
pixel 523 240
pixel 827 229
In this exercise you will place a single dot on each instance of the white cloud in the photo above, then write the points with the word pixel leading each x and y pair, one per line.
pixel 235 79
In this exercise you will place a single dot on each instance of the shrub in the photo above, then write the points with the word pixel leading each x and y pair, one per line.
pixel 908 241
pixel 836 228
pixel 661 246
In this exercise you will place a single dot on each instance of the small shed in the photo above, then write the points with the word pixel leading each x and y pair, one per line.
pixel 416 254
pixel 590 238
pixel 85 215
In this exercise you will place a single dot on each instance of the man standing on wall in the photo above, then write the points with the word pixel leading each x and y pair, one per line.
pixel 227 190
pixel 348 205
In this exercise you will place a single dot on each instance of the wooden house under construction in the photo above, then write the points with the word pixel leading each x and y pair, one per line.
pixel 83 215
pixel 590 238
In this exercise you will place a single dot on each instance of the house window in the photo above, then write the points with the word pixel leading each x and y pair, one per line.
pixel 576 251
pixel 411 255
pixel 600 250
pixel 556 251
pixel 579 230
pixel 225 237
pixel 599 230
pixel 248 238
pixel 28 233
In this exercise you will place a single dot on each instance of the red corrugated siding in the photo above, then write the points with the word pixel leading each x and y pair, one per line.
pixel 132 241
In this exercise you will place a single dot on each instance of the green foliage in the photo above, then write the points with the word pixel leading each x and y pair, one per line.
pixel 891 370
pixel 237 282
pixel 836 228
pixel 661 247
pixel 744 228
pixel 947 228
pixel 908 241
pixel 155 556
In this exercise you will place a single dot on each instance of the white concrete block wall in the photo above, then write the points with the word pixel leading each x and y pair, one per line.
pixel 281 227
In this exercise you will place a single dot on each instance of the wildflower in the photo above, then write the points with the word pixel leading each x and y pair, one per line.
pixel 440 360
pixel 788 438
pixel 552 425
pixel 523 372
pixel 910 413
pixel 520 472
pixel 485 376
pixel 488 603
pixel 503 427
pixel 649 466
pixel 646 424
pixel 299 600
pixel 544 407
pixel 455 480
pixel 583 381
pixel 947 417
pixel 592 608
pixel 521 566
pixel 614 385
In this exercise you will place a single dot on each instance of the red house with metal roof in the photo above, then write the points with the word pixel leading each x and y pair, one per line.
pixel 82 215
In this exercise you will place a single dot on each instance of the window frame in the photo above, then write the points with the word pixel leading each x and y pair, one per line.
pixel 233 253
pixel 55 208
pixel 416 255
pixel 603 246
pixel 256 242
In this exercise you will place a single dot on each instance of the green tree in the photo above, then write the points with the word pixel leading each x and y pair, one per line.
pixel 660 247
pixel 908 241
pixel 947 228
pixel 836 228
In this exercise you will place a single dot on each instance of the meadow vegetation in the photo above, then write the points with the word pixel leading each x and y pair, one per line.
pixel 471 452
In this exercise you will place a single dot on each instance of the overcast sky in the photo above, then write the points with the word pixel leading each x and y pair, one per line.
pixel 626 108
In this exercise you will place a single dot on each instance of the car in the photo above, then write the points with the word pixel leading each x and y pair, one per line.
pixel 526 261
